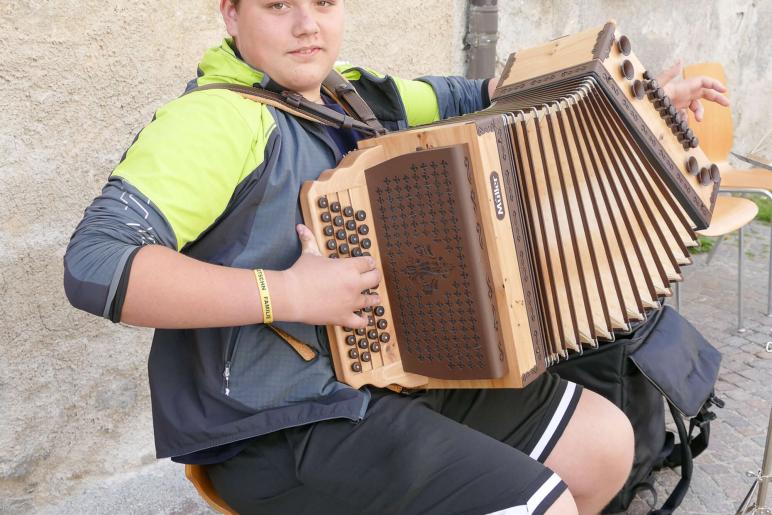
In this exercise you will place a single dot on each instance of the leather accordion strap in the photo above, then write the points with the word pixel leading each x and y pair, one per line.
pixel 303 350
pixel 344 93
pixel 297 105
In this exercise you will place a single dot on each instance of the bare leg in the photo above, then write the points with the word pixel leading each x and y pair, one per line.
pixel 595 453
pixel 564 505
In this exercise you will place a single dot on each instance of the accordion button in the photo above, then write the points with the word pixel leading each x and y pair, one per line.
pixel 385 337
pixel 370 321
pixel 363 229
pixel 379 311
pixel 338 221
pixel 692 166
pixel 356 252
pixel 715 173
pixel 366 243
pixel 647 75
pixel 329 231
pixel 351 225
pixel 343 248
pixel 331 244
pixel 326 217
pixel 365 356
pixel 375 347
pixel 361 331
pixel 382 324
pixel 354 239
pixel 652 85
pixel 623 43
pixel 335 207
pixel 628 70
pixel 362 343
pixel 353 353
pixel 334 256
pixel 638 90
pixel 694 142
pixel 348 211
pixel 372 334
pixel 705 177
pixel 323 202
pixel 351 339
pixel 356 367
pixel 361 215
pixel 341 234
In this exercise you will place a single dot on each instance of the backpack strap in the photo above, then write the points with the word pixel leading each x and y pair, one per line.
pixel 296 105
pixel 677 496
pixel 343 92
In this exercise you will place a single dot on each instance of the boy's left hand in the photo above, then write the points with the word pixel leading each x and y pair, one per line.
pixel 688 93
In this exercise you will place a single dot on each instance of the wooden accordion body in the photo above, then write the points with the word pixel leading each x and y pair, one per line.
pixel 513 236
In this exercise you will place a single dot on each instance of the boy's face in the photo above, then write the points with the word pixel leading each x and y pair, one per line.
pixel 296 42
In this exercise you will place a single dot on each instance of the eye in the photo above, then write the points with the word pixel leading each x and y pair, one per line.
pixel 325 3
pixel 278 6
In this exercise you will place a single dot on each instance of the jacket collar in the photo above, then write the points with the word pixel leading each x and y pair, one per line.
pixel 222 64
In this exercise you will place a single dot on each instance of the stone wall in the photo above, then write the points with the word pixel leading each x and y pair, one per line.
pixel 78 79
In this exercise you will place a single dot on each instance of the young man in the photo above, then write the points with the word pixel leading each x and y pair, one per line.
pixel 207 193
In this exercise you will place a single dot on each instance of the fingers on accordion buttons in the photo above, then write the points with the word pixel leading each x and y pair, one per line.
pixel 624 45
pixel 628 70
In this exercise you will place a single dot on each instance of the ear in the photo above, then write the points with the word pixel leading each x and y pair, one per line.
pixel 230 16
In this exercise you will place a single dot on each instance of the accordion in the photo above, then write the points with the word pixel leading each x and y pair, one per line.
pixel 512 237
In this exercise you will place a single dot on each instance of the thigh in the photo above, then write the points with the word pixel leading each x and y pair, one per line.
pixel 530 419
pixel 402 458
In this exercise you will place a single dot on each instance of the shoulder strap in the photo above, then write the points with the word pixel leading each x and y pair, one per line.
pixel 346 95
pixel 296 105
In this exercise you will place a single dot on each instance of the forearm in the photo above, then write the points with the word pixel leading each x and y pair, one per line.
pixel 170 290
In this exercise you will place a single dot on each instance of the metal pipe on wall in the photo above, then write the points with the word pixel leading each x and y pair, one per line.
pixel 481 36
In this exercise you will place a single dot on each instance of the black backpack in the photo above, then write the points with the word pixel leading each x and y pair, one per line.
pixel 665 356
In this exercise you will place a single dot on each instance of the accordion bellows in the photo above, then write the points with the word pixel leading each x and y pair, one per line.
pixel 511 237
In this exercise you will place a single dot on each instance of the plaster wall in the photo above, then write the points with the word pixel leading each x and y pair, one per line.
pixel 79 78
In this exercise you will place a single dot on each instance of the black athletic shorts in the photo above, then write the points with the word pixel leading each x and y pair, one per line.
pixel 435 452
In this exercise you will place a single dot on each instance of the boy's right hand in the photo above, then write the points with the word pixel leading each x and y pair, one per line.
pixel 326 291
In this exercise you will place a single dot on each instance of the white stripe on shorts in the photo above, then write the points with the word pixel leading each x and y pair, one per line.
pixel 536 499
pixel 557 417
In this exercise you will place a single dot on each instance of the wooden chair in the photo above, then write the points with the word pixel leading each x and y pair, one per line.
pixel 715 133
pixel 730 214
pixel 197 475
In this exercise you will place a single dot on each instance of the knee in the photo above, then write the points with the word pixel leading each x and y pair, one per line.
pixel 616 443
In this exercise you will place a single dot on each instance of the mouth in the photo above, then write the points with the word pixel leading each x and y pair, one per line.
pixel 306 51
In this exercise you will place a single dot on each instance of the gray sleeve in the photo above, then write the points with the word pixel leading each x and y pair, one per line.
pixel 98 257
pixel 457 95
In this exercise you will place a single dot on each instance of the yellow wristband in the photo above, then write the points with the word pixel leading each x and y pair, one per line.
pixel 265 297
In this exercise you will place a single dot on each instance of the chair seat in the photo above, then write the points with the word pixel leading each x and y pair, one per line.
pixel 729 214
pixel 197 475
pixel 756 178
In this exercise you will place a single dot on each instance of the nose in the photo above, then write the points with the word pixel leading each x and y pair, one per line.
pixel 305 22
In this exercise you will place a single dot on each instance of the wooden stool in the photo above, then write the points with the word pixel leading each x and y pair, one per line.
pixel 197 475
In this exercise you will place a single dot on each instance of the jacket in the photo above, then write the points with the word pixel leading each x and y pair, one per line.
pixel 216 177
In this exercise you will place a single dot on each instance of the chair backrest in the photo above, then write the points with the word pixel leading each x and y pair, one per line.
pixel 715 131
pixel 197 475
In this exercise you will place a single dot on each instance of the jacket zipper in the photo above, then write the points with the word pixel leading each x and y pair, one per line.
pixel 232 345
